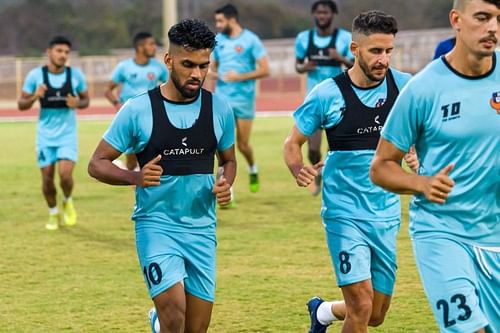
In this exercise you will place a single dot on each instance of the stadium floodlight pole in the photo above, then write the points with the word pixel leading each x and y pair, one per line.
pixel 169 18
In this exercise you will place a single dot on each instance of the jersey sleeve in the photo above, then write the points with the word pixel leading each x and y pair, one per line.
pixel 117 74
pixel 30 83
pixel 258 50
pixel 227 125
pixel 81 85
pixel 300 46
pixel 309 116
pixel 122 134
pixel 345 50
pixel 404 120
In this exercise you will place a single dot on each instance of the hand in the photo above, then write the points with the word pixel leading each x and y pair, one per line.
pixel 411 159
pixel 72 101
pixel 150 173
pixel 309 66
pixel 307 174
pixel 40 91
pixel 335 55
pixel 222 191
pixel 231 76
pixel 437 188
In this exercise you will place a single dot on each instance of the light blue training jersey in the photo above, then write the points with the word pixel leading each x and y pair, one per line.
pixel 136 79
pixel 348 191
pixel 56 126
pixel 238 54
pixel 180 203
pixel 452 118
pixel 321 73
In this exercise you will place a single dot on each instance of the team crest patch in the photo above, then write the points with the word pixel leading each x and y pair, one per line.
pixel 151 76
pixel 238 49
pixel 495 101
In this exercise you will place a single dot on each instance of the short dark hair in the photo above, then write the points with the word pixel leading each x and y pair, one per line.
pixel 192 34
pixel 57 40
pixel 328 3
pixel 229 11
pixel 139 37
pixel 493 2
pixel 374 21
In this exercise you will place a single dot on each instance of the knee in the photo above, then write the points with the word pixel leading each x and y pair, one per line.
pixel 48 184
pixel 359 308
pixel 243 146
pixel 376 319
pixel 65 177
pixel 171 316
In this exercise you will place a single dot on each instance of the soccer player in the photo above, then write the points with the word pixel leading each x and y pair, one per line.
pixel 322 53
pixel 444 47
pixel 136 75
pixel 361 220
pixel 239 59
pixel 451 112
pixel 60 89
pixel 175 130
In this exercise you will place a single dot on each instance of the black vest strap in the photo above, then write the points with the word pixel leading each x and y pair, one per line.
pixel 183 151
pixel 320 55
pixel 360 126
pixel 56 98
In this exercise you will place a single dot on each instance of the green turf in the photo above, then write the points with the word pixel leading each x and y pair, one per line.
pixel 272 254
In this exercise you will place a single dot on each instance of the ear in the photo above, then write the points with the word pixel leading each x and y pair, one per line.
pixel 167 59
pixel 354 47
pixel 455 19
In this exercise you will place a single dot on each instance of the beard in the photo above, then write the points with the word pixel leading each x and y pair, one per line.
pixel 323 26
pixel 183 90
pixel 368 71
pixel 227 30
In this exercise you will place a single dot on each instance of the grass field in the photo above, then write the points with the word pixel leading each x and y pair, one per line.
pixel 272 255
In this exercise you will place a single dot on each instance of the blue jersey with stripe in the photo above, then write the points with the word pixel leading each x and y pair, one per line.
pixel 452 118
pixel 135 79
pixel 348 191
pixel 238 54
pixel 56 126
pixel 179 203
pixel 321 73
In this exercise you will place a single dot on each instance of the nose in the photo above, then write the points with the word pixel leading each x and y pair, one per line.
pixel 196 73
pixel 384 58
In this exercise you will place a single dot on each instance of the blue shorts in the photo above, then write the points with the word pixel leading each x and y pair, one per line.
pixel 50 155
pixel 462 283
pixel 167 258
pixel 363 250
pixel 245 111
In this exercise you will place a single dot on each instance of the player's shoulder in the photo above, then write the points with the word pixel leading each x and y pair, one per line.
pixel 250 35
pixel 125 63
pixel 303 35
pixel 77 72
pixel 425 80
pixel 220 105
pixel 36 71
pixel 400 77
pixel 344 33
pixel 326 90
pixel 139 101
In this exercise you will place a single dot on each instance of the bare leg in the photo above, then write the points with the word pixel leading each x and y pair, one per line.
pixel 66 176
pixel 243 130
pixel 48 185
pixel 358 300
pixel 198 314
pixel 171 308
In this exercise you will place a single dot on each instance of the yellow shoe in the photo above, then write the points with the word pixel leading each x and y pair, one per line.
pixel 69 213
pixel 53 222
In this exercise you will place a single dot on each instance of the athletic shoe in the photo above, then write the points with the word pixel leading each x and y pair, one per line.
pixel 312 306
pixel 69 214
pixel 254 182
pixel 153 319
pixel 53 222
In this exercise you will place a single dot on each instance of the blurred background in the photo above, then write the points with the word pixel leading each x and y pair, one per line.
pixel 101 31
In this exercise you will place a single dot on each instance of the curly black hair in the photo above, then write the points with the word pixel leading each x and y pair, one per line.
pixel 192 34
pixel 374 21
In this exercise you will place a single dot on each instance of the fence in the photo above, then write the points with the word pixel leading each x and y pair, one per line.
pixel 413 50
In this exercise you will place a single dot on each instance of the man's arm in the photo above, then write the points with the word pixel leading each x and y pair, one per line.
pixel 337 57
pixel 80 102
pixel 26 100
pixel 111 95
pixel 222 186
pixel 101 167
pixel 301 66
pixel 387 172
pixel 292 152
pixel 261 70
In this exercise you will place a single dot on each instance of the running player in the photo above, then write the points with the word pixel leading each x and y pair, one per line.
pixel 361 220
pixel 239 59
pixel 175 130
pixel 321 52
pixel 60 89
pixel 451 112
pixel 136 75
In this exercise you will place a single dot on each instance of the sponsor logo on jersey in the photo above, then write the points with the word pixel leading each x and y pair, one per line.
pixel 151 76
pixel 183 151
pixel 238 49
pixel 451 111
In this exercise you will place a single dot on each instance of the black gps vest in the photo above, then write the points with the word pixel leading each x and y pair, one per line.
pixel 56 98
pixel 360 126
pixel 320 55
pixel 183 151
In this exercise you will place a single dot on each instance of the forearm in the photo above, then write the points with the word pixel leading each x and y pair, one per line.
pixel 392 177
pixel 83 103
pixel 301 68
pixel 293 158
pixel 253 75
pixel 229 171
pixel 111 97
pixel 105 171
pixel 25 103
